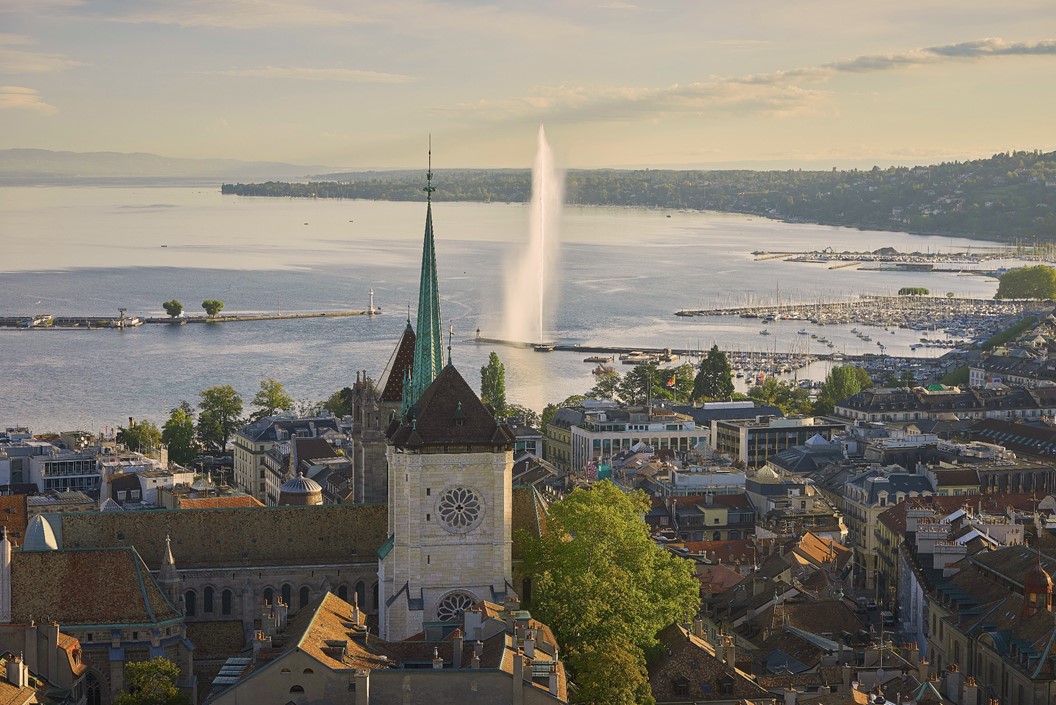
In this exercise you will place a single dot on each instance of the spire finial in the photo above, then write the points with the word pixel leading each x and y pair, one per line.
pixel 450 334
pixel 429 188
pixel 408 313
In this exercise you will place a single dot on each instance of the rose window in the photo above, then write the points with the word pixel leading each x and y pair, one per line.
pixel 460 509
pixel 450 608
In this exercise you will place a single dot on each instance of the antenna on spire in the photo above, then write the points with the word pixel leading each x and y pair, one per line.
pixel 450 334
pixel 408 313
pixel 429 188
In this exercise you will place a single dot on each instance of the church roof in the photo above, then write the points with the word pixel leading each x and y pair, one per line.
pixel 89 587
pixel 248 536
pixel 401 363
pixel 450 413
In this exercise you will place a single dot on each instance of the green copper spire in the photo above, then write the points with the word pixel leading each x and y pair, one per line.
pixel 428 344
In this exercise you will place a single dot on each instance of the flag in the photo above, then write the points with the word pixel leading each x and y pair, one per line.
pixel 671 382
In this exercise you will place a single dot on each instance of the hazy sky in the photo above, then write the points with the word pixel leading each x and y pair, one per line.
pixel 617 83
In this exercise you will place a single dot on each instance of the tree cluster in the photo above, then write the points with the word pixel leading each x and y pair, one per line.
pixel 913 291
pixel 1038 282
pixel 606 589
pixel 1003 197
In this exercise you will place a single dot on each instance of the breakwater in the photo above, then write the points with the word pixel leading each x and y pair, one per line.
pixel 49 322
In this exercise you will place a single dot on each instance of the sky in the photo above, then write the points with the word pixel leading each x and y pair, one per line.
pixel 635 83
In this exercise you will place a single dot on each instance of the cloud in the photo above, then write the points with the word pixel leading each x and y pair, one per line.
pixel 775 94
pixel 14 59
pixel 976 49
pixel 319 74
pixel 20 98
pixel 237 14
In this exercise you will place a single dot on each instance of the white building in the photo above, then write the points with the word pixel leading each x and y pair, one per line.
pixel 608 431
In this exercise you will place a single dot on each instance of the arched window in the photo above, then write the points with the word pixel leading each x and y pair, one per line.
pixel 304 597
pixel 269 596
pixel 375 602
pixel 207 600
pixel 296 689
pixel 92 689
pixel 190 603
pixel 342 592
pixel 225 602
pixel 287 594
pixel 526 591
pixel 309 671
pixel 361 592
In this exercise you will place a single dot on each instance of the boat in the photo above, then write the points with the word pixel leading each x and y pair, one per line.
pixel 683 312
pixel 543 347
pixel 802 331
pixel 598 358
pixel 764 332
pixel 603 369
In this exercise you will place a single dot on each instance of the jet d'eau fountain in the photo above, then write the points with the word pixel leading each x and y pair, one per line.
pixel 530 294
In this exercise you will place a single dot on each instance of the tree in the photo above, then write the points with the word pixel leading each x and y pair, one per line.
pixel 493 384
pixel 606 385
pixel 178 434
pixel 270 399
pixel 786 396
pixel 220 415
pixel 152 683
pixel 599 581
pixel 842 382
pixel 715 378
pixel 527 416
pixel 212 307
pixel 174 308
pixel 1037 282
pixel 340 402
pixel 551 409
pixel 913 291
pixel 142 437
pixel 612 673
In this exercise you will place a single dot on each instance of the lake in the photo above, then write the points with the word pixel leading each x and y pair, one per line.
pixel 623 273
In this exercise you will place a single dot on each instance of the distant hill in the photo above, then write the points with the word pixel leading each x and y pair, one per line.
pixel 43 165
pixel 1008 197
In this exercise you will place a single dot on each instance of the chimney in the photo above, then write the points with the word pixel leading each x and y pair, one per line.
pixel 53 650
pixel 457 643
pixel 438 663
pixel 261 641
pixel 281 611
pixel 475 663
pixel 553 682
pixel 824 690
pixel 790 696
pixel 729 651
pixel 847 671
pixel 472 618
pixel 361 681
pixel 529 643
pixel 518 678
pixel 970 694
pixel 954 682
pixel 17 672
pixel 698 628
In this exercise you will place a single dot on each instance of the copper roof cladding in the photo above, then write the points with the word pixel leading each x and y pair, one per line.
pixel 401 362
pixel 449 413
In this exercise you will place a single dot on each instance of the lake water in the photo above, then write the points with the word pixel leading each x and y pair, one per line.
pixel 623 274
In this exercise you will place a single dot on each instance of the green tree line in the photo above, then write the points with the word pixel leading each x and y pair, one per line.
pixel 1005 197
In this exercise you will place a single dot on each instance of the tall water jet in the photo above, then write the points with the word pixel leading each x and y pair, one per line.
pixel 530 273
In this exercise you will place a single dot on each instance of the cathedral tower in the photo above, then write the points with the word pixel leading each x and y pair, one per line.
pixel 450 509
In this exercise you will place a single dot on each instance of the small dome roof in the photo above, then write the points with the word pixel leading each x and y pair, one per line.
pixel 1037 580
pixel 40 536
pixel 300 485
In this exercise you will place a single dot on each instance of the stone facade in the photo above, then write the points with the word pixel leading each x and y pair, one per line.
pixel 430 558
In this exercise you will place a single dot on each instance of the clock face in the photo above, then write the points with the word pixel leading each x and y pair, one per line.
pixel 460 510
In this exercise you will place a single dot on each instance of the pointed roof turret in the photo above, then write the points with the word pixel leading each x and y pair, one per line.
pixel 168 575
pixel 428 344
pixel 390 385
